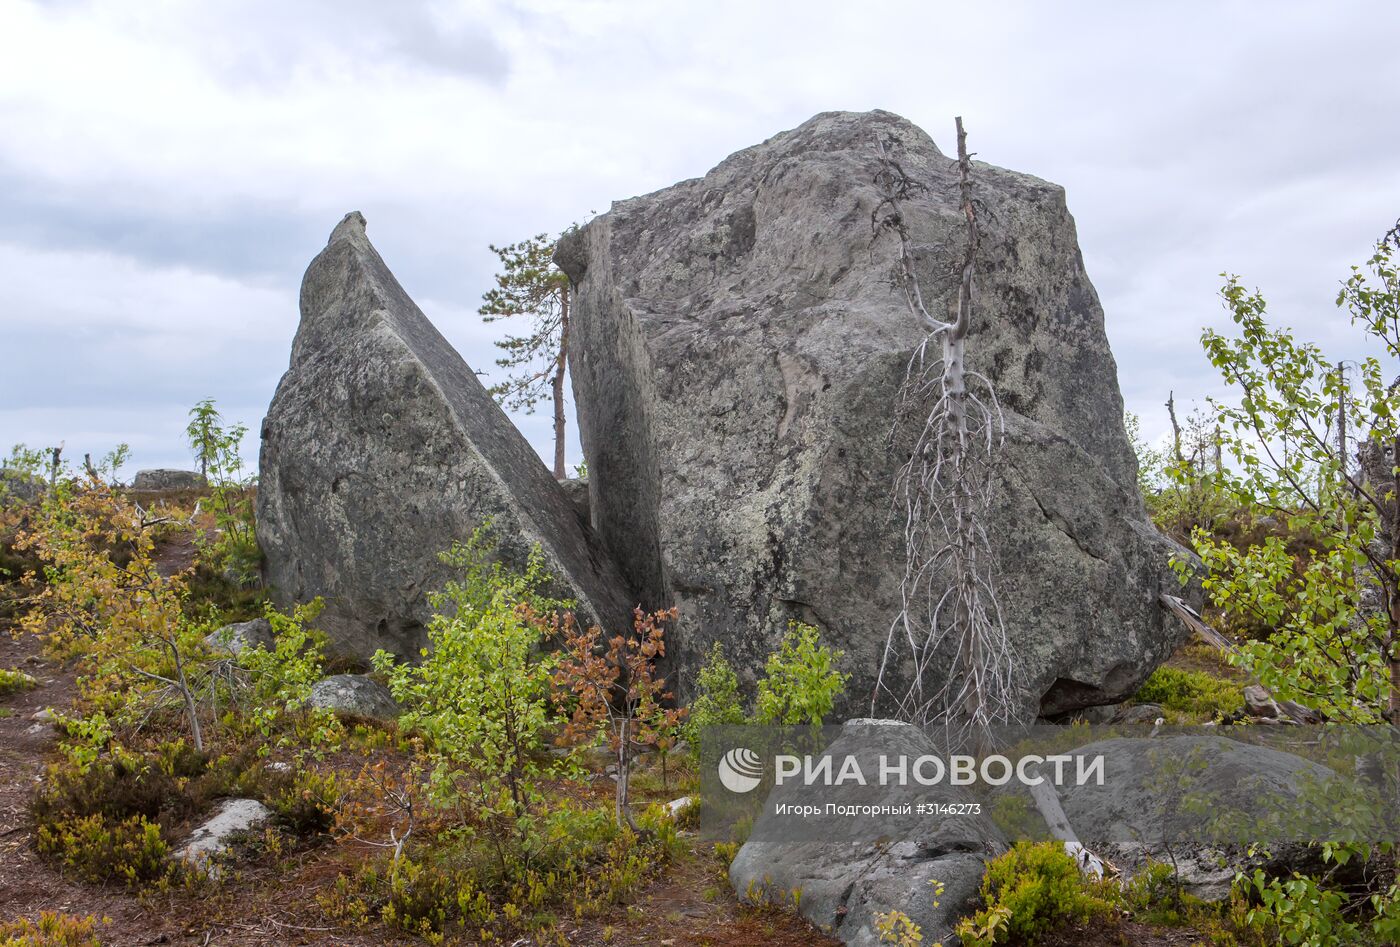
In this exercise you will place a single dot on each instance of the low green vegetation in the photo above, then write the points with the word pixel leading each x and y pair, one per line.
pixel 1190 696
pixel 800 685
pixel 717 701
pixel 800 682
pixel 1036 889
pixel 54 929
pixel 14 681
pixel 1033 888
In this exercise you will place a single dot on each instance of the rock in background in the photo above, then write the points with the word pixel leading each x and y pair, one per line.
pixel 239 637
pixel 380 449
pixel 17 487
pixel 738 346
pixel 354 696
pixel 167 479
pixel 1159 798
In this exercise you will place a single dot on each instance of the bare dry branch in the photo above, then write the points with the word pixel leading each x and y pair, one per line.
pixel 949 628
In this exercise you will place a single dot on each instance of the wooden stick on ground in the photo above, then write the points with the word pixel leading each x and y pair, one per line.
pixel 1189 618
pixel 1047 800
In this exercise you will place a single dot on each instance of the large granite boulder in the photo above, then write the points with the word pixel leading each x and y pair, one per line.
pixel 381 449
pixel 737 349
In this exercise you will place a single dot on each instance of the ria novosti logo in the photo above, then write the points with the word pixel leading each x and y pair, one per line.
pixel 740 770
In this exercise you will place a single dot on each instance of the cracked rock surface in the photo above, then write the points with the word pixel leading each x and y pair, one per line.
pixel 738 346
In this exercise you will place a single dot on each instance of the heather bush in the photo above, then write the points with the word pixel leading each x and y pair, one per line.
pixel 1028 891
pixel 55 929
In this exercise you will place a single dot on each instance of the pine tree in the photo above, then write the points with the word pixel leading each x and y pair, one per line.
pixel 529 284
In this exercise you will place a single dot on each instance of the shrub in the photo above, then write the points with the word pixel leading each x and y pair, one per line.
pixel 100 807
pixel 100 849
pixel 616 691
pixel 898 928
pixel 1154 895
pixel 1026 892
pixel 105 599
pixel 1302 910
pixel 480 697
pixel 55 929
pixel 117 784
pixel 716 700
pixel 19 480
pixel 800 682
pixel 283 676
pixel 233 548
pixel 1190 692
pixel 586 865
pixel 309 805
pixel 12 682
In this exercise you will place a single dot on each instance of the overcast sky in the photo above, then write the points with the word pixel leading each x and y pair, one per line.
pixel 168 169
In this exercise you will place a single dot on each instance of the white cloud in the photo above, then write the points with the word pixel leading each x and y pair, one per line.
pixel 168 169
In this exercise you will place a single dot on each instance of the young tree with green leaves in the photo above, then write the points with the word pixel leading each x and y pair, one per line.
pixel 104 597
pixel 217 448
pixel 1335 608
pixel 530 285
pixel 800 682
pixel 480 695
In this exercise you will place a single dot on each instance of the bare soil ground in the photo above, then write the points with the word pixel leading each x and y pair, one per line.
pixel 29 885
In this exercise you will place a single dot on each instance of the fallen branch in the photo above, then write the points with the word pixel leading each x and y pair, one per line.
pixel 1048 802
pixel 1189 617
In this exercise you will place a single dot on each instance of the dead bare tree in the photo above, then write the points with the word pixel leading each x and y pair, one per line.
pixel 949 622
pixel 1176 430
pixel 949 609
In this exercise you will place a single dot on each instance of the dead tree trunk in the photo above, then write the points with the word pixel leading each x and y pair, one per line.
pixel 1188 617
pixel 559 370
pixel 949 624
pixel 1176 431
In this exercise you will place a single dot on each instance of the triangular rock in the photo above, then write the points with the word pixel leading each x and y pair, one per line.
pixel 380 449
